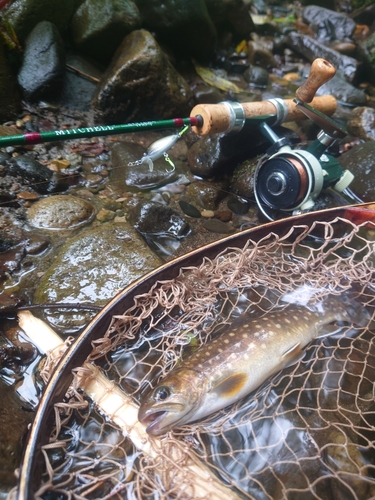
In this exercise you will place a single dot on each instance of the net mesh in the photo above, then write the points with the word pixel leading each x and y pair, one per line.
pixel 309 430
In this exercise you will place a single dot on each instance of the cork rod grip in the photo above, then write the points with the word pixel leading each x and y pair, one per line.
pixel 216 117
pixel 321 71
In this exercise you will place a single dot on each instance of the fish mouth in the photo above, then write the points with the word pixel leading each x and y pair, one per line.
pixel 160 421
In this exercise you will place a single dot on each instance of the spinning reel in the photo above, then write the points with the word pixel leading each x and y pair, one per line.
pixel 291 180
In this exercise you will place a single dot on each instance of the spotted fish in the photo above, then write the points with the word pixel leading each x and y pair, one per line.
pixel 233 365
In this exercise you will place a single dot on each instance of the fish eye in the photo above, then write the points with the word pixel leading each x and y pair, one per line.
pixel 162 393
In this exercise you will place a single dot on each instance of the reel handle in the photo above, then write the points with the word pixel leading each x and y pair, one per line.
pixel 321 72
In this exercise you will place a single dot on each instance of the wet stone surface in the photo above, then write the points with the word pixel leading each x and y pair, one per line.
pixel 60 212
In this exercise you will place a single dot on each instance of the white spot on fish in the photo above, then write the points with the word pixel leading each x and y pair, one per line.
pixel 263 346
pixel 256 334
pixel 287 321
pixel 226 341
pixel 232 334
pixel 278 325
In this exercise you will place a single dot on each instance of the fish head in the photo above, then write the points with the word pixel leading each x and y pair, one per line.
pixel 172 402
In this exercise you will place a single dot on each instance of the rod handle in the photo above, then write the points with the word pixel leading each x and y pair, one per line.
pixel 321 71
pixel 217 119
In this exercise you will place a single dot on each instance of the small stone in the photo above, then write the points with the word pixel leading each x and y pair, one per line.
pixel 208 213
pixel 217 226
pixel 27 195
pixel 224 215
pixel 290 77
pixel 189 209
pixel 105 215
pixel 57 165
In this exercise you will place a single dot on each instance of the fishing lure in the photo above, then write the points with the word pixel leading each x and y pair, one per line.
pixel 158 149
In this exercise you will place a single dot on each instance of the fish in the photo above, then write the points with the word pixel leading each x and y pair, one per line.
pixel 230 367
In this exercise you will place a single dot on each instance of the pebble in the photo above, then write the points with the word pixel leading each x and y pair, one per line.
pixel 208 213
pixel 27 195
pixel 105 215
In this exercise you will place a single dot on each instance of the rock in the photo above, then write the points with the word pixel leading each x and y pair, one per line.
pixel 24 15
pixel 14 422
pixel 257 76
pixel 99 26
pixel 311 49
pixel 141 84
pixel 217 226
pixel 231 16
pixel 189 209
pixel 260 54
pixel 184 26
pixel 343 91
pixel 77 92
pixel 43 66
pixel 125 174
pixel 211 155
pixel 60 212
pixel 10 95
pixel 39 176
pixel 150 218
pixel 366 50
pixel 205 196
pixel 360 161
pixel 328 24
pixel 93 266
pixel 243 179
pixel 362 122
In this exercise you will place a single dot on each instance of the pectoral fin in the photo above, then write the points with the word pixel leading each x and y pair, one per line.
pixel 231 385
pixel 292 355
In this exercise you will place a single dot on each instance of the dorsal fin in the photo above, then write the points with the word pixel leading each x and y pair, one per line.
pixel 231 385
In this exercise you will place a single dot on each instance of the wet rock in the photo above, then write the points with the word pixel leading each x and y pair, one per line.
pixel 217 226
pixel 10 95
pixel 243 179
pixel 257 76
pixel 260 53
pixel 360 161
pixel 125 174
pixel 238 206
pixel 152 218
pixel 311 49
pixel 14 422
pixel 362 123
pixel 36 174
pixel 186 27
pixel 60 212
pixel 343 91
pixel 94 265
pixel 205 94
pixel 366 51
pixel 10 260
pixel 231 16
pixel 77 92
pixel 99 26
pixel 211 155
pixel 205 196
pixel 140 84
pixel 189 209
pixel 43 66
pixel 105 215
pixel 24 15
pixel 328 24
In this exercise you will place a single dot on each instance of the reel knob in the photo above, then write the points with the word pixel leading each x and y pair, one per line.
pixel 321 72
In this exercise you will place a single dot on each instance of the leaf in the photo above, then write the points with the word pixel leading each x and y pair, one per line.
pixel 214 80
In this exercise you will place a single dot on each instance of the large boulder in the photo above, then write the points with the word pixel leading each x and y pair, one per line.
pixel 185 26
pixel 99 26
pixel 24 15
pixel 140 84
pixel 43 68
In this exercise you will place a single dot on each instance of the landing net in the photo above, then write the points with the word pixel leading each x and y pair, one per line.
pixel 308 432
